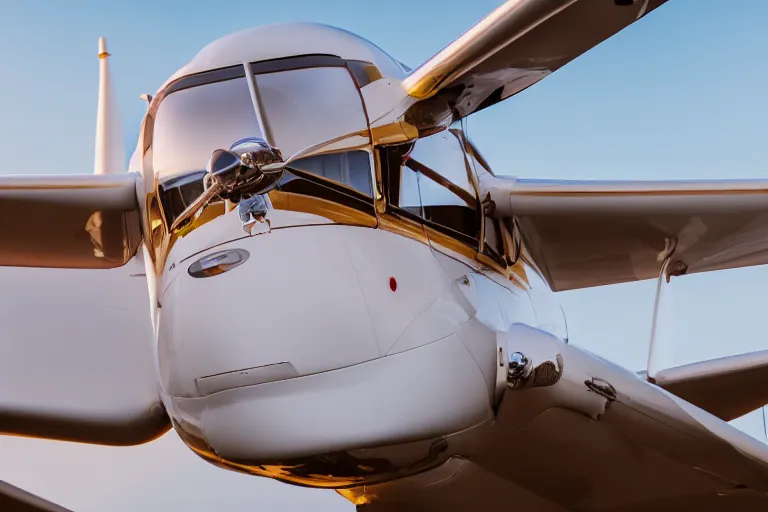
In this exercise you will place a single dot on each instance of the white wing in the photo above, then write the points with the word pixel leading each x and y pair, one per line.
pixel 76 360
pixel 76 342
pixel 76 221
pixel 511 49
pixel 584 233
pixel 629 458
pixel 724 387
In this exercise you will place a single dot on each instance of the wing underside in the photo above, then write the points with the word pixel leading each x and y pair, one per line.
pixel 725 387
pixel 76 356
pixel 69 221
pixel 582 234
pixel 514 47
pixel 76 343
pixel 627 459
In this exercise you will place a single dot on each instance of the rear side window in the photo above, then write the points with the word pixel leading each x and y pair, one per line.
pixel 434 184
pixel 352 168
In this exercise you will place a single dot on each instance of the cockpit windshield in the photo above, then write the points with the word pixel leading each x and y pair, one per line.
pixel 307 106
pixel 351 170
pixel 304 101
pixel 191 123
pixel 300 107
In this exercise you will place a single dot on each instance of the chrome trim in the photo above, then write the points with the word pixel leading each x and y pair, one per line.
pixel 534 357
pixel 519 368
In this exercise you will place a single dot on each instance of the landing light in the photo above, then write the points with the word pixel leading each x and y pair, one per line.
pixel 218 263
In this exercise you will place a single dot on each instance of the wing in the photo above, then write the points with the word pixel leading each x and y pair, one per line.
pixel 582 233
pixel 77 358
pixel 641 449
pixel 563 462
pixel 724 387
pixel 13 499
pixel 76 343
pixel 82 221
pixel 514 47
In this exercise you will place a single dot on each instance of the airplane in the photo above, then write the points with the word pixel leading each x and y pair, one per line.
pixel 310 273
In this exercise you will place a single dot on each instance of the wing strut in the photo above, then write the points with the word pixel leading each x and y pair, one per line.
pixel 13 499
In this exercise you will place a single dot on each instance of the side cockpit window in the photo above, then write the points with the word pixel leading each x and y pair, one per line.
pixel 410 195
pixel 493 230
pixel 351 168
pixel 342 179
pixel 178 193
pixel 433 182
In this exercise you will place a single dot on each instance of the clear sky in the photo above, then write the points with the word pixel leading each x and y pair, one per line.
pixel 679 95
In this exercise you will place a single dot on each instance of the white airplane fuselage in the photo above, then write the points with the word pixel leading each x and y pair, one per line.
pixel 333 338
pixel 366 319
pixel 342 294
pixel 342 321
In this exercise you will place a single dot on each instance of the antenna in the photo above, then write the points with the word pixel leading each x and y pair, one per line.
pixel 110 146
pixel 659 347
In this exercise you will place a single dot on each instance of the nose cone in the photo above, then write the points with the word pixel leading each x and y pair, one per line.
pixel 287 304
pixel 291 350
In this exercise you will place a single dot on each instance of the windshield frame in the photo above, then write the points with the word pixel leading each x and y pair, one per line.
pixel 362 74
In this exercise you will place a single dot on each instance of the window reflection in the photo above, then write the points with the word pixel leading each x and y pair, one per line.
pixel 191 123
pixel 443 154
pixel 410 200
pixel 493 239
pixel 352 169
pixel 447 197
pixel 309 106
pixel 178 193
pixel 443 207
pixel 344 178
pixel 549 314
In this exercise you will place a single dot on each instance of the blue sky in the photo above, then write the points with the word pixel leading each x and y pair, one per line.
pixel 679 95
